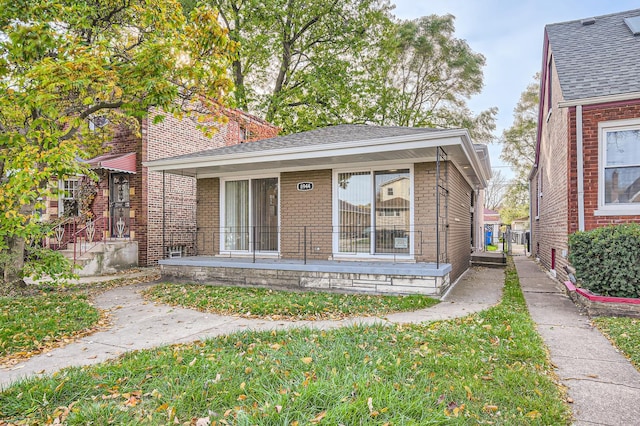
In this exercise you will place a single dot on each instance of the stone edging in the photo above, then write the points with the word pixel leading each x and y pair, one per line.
pixel 603 305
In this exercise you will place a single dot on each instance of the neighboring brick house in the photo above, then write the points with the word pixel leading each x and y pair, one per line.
pixel 340 194
pixel 587 167
pixel 156 211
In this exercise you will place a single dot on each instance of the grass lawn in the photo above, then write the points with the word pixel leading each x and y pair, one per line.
pixel 625 334
pixel 488 368
pixel 260 302
pixel 30 324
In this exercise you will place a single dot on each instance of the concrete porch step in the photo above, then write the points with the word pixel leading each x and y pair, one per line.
pixel 104 257
pixel 489 259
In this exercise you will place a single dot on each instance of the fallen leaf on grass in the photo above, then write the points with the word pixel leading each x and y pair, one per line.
pixel 318 418
pixel 203 421
pixel 533 414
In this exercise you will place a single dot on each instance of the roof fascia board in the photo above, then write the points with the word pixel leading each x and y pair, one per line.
pixel 600 99
pixel 543 80
pixel 472 155
pixel 330 166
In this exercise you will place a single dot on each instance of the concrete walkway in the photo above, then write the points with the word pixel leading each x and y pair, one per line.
pixel 138 324
pixel 604 386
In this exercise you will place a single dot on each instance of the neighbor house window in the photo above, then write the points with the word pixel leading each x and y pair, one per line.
pixel 250 215
pixel 373 212
pixel 619 167
pixel 68 201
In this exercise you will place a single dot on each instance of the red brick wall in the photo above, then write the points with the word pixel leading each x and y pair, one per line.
pixel 168 138
pixel 549 230
pixel 559 180
pixel 592 115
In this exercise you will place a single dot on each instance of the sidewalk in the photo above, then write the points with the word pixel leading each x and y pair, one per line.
pixel 138 324
pixel 603 384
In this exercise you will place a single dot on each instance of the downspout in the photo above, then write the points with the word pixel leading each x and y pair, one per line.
pixel 164 218
pixel 580 159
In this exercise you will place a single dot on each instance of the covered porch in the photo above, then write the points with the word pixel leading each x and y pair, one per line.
pixel 347 208
pixel 376 277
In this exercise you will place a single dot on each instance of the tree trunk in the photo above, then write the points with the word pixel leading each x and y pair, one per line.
pixel 241 95
pixel 13 265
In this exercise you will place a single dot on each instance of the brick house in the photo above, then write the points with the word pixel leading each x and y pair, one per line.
pixel 147 208
pixel 349 207
pixel 587 167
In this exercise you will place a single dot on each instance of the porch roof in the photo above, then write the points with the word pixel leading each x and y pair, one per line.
pixel 125 163
pixel 335 146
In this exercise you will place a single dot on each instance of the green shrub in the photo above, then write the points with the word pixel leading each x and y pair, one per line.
pixel 607 260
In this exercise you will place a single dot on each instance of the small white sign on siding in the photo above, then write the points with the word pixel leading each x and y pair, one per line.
pixel 305 186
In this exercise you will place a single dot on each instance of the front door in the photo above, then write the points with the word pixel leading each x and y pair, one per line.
pixel 120 205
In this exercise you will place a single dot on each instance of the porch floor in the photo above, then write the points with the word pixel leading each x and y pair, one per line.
pixel 326 266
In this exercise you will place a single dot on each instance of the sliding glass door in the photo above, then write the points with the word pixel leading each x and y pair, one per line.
pixel 236 215
pixel 264 197
pixel 374 212
pixel 392 211
pixel 251 215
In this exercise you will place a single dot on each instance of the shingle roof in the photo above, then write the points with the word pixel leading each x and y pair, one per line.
pixel 325 135
pixel 598 59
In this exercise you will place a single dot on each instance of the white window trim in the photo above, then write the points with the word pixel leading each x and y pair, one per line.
pixel 612 209
pixel 222 195
pixel 62 195
pixel 336 213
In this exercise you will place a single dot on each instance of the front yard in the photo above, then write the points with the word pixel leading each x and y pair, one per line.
pixel 485 368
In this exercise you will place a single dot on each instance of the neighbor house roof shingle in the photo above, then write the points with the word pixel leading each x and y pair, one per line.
pixel 595 60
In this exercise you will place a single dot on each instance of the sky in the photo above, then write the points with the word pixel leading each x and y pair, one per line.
pixel 509 33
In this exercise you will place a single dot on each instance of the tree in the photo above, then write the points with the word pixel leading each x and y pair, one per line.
pixel 299 62
pixel 515 203
pixel 519 150
pixel 495 191
pixel 519 140
pixel 63 64
pixel 306 64
pixel 425 78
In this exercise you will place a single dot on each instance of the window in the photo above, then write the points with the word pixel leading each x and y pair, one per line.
pixel 374 212
pixel 619 188
pixel 68 201
pixel 250 215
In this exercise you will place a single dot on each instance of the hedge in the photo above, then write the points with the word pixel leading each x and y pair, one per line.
pixel 607 260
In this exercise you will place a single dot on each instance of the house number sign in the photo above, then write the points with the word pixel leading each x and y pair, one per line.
pixel 305 186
